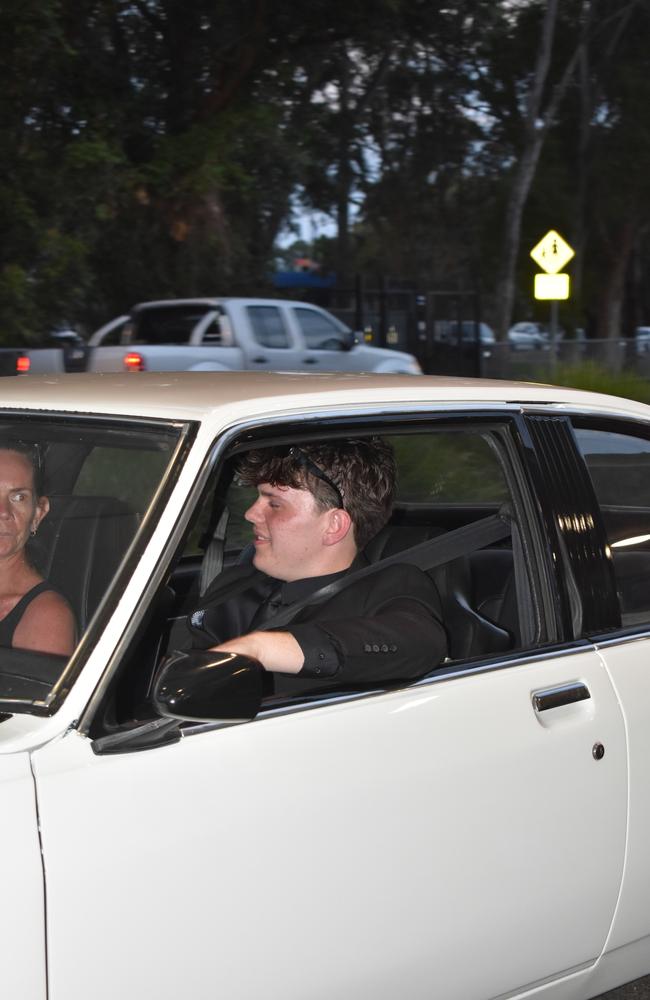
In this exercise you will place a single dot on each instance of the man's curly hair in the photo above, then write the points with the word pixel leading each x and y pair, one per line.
pixel 362 469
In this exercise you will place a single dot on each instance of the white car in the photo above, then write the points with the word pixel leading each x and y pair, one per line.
pixel 642 338
pixel 464 332
pixel 481 832
pixel 528 336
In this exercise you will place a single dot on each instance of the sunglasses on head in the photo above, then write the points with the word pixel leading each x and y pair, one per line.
pixel 306 463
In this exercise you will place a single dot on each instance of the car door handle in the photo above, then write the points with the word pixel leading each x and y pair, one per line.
pixel 259 361
pixel 310 361
pixel 566 694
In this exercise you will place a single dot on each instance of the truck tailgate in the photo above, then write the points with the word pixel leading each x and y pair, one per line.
pixel 165 358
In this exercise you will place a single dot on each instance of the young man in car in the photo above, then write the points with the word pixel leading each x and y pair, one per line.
pixel 317 507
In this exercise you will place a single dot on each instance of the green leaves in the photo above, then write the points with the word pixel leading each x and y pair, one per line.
pixel 157 147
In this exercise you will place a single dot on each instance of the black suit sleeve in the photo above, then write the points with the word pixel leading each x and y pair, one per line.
pixel 387 627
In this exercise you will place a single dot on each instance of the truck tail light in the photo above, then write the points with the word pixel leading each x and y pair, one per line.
pixel 23 364
pixel 134 362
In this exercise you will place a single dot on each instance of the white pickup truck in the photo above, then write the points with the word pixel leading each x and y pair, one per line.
pixel 222 334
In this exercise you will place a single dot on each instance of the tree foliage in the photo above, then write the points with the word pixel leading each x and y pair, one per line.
pixel 158 147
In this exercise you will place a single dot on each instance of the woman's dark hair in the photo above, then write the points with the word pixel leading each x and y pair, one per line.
pixel 32 452
pixel 357 474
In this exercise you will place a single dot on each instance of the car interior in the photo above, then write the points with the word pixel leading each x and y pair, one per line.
pixel 99 481
pixel 448 481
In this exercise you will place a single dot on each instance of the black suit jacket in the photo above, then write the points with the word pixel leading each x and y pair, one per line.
pixel 385 627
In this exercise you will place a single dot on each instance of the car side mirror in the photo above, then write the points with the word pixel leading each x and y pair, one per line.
pixel 208 686
pixel 349 340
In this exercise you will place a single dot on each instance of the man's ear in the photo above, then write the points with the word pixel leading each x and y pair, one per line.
pixel 339 526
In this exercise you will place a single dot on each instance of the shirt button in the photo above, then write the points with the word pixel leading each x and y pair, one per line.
pixel 321 656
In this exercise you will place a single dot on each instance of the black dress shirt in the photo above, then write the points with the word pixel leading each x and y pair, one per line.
pixel 384 627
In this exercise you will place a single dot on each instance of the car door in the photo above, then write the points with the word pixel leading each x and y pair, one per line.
pixel 460 837
pixel 617 453
pixel 22 910
pixel 328 345
pixel 272 346
pixel 365 848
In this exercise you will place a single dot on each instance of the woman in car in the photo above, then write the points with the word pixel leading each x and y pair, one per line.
pixel 32 614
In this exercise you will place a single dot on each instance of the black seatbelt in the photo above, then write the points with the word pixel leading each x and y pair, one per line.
pixel 214 538
pixel 527 609
pixel 212 562
pixel 426 556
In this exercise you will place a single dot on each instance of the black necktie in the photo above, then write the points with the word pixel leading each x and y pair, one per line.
pixel 268 608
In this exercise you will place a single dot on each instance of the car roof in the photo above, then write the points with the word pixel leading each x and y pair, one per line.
pixel 241 395
pixel 217 301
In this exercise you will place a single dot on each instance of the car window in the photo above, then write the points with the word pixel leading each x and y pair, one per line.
pixel 619 466
pixel 319 331
pixel 449 468
pixel 94 482
pixel 115 336
pixel 131 476
pixel 166 324
pixel 446 479
pixel 218 331
pixel 268 326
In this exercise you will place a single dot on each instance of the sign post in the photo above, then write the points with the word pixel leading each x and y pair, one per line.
pixel 551 254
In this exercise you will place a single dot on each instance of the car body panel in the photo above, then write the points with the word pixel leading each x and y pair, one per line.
pixel 627 665
pixel 22 908
pixel 375 833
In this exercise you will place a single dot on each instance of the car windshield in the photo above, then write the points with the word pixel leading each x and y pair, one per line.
pixel 74 499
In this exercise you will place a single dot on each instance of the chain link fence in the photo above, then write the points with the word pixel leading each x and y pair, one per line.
pixel 503 360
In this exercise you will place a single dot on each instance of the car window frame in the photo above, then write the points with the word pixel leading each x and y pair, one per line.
pixel 278 429
pixel 186 431
pixel 339 333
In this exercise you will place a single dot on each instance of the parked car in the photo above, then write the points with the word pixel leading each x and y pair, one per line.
pixel 642 337
pixel 528 336
pixel 465 334
pixel 464 331
pixel 481 832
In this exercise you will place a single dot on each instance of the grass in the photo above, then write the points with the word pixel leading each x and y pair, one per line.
pixel 595 378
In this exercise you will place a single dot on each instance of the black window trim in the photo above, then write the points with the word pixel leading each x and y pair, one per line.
pixel 614 631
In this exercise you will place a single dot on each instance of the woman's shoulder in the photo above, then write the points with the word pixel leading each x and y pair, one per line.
pixel 47 623
pixel 44 600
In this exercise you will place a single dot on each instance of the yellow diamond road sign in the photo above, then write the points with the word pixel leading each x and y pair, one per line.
pixel 552 252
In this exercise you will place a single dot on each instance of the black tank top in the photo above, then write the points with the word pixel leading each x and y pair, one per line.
pixel 9 623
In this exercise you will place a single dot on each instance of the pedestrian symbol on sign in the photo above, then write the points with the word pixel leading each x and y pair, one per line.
pixel 552 252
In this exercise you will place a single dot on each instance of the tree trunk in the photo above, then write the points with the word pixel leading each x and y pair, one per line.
pixel 611 299
pixel 537 123
pixel 524 174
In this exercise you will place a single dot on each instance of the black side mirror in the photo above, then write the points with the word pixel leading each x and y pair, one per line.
pixel 349 340
pixel 207 686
